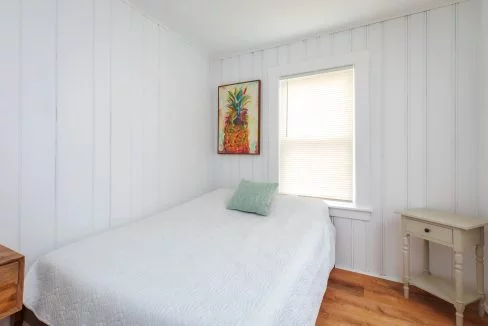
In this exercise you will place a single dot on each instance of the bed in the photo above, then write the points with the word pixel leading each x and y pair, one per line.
pixel 195 264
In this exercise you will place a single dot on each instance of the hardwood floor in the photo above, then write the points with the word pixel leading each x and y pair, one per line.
pixel 356 299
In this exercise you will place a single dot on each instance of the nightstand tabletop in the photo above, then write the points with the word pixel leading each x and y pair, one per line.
pixel 7 255
pixel 445 218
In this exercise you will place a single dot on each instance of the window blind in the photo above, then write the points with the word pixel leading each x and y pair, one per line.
pixel 316 135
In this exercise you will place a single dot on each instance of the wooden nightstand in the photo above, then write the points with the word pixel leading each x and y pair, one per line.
pixel 454 231
pixel 11 284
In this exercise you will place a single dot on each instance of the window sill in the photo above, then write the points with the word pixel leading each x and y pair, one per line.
pixel 348 210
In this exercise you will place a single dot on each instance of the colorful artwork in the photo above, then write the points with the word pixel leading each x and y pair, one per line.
pixel 239 118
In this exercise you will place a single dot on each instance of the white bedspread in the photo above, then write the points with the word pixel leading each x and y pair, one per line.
pixel 196 264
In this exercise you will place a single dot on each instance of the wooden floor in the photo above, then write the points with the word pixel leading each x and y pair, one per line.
pixel 356 299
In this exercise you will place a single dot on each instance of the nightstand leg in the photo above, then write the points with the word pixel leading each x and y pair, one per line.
pixel 17 319
pixel 480 279
pixel 426 257
pixel 458 279
pixel 406 265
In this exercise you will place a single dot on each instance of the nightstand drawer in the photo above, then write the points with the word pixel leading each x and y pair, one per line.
pixel 429 231
pixel 9 280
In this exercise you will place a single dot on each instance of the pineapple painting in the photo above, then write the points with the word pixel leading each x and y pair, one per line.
pixel 239 118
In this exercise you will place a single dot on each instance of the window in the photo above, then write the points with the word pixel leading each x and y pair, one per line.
pixel 316 131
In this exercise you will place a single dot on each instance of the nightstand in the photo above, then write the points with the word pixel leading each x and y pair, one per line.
pixel 11 285
pixel 457 232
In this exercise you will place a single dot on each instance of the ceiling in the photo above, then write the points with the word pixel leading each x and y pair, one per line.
pixel 226 26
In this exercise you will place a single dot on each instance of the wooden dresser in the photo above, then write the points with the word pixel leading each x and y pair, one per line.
pixel 457 232
pixel 11 284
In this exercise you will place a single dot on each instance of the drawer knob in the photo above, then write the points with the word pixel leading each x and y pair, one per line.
pixel 427 230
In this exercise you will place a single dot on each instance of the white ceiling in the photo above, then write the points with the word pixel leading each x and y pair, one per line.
pixel 225 26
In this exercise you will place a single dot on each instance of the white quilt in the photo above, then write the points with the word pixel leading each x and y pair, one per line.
pixel 196 264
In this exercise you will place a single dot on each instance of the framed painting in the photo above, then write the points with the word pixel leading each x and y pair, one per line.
pixel 239 118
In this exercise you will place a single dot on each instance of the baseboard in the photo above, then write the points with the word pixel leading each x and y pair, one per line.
pixel 396 279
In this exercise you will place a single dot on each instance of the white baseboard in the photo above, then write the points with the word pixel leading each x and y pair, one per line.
pixel 396 279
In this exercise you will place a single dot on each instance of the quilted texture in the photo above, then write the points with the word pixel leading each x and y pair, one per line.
pixel 196 264
pixel 253 197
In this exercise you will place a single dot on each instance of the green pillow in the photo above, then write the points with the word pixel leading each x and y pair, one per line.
pixel 253 197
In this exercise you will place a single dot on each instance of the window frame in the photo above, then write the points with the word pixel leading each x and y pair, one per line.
pixel 361 198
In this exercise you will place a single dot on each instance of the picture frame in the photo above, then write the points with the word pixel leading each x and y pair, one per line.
pixel 239 118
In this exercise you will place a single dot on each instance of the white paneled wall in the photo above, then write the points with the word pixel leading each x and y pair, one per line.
pixel 483 115
pixel 103 120
pixel 424 129
pixel 483 121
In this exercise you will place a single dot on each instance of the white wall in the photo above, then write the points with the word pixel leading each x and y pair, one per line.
pixel 483 76
pixel 483 116
pixel 103 120
pixel 424 130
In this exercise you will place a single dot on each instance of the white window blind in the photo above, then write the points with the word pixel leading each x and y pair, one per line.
pixel 316 135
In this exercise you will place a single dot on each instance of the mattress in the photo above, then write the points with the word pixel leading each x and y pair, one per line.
pixel 195 264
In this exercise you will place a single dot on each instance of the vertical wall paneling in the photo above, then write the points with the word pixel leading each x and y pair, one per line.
pixel 203 156
pixel 466 114
pixel 10 66
pixel 359 39
pixel 165 191
pixel 186 142
pixel 344 248
pixel 343 44
pixel 37 211
pixel 325 44
pixel 101 115
pixel 273 173
pixel 465 118
pixel 246 73
pixel 482 61
pixel 358 228
pixel 200 158
pixel 120 114
pixel 178 58
pixel 283 55
pixel 298 51
pixel 416 121
pixel 136 113
pixel 259 162
pixel 171 155
pixel 216 68
pixel 440 110
pixel 395 132
pixel 74 121
pixel 440 123
pixel 312 47
pixel 270 59
pixel 375 41
pixel 150 117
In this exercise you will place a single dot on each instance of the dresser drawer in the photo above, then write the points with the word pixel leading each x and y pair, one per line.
pixel 428 231
pixel 9 281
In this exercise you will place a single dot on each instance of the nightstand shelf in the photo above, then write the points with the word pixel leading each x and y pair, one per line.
pixel 443 288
